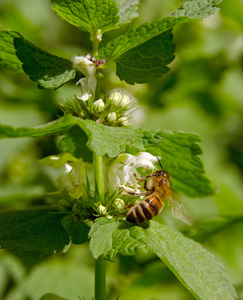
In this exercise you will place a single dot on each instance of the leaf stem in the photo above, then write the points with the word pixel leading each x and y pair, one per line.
pixel 100 293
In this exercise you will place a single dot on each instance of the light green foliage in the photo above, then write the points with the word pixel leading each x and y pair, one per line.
pixel 8 57
pixel 32 231
pixel 188 260
pixel 50 71
pixel 147 61
pixel 88 15
pixel 127 10
pixel 199 9
pixel 108 238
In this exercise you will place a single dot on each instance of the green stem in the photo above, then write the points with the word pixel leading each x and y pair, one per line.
pixel 99 175
pixel 100 293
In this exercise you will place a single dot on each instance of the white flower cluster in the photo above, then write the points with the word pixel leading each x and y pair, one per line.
pixel 123 171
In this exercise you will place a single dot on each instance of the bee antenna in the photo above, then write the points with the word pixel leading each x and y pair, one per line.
pixel 159 162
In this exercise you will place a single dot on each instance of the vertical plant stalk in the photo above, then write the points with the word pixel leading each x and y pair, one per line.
pixel 100 279
pixel 100 275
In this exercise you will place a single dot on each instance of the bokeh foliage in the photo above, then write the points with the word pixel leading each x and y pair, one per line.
pixel 202 93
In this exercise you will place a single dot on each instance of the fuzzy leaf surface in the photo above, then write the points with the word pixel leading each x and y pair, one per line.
pixel 127 10
pixel 179 152
pixel 88 15
pixel 147 61
pixel 8 58
pixel 36 231
pixel 50 71
pixel 196 268
pixel 108 237
pixel 199 9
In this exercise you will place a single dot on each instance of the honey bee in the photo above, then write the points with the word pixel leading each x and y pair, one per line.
pixel 157 188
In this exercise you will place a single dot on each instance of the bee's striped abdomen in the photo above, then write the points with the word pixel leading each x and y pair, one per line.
pixel 145 210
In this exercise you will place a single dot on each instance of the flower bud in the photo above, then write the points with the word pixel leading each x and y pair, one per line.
pixel 118 204
pixel 111 117
pixel 101 210
pixel 99 105
pixel 118 99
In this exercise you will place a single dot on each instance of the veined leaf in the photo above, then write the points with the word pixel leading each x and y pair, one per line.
pixel 50 71
pixel 196 268
pixel 51 296
pixel 108 237
pixel 199 9
pixel 147 61
pixel 88 15
pixel 8 58
pixel 178 150
pixel 137 36
pixel 33 231
pixel 127 10
pixel 141 54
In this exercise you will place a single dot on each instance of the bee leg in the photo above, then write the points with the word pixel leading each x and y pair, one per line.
pixel 135 194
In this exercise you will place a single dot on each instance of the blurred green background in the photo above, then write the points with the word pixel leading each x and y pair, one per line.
pixel 203 93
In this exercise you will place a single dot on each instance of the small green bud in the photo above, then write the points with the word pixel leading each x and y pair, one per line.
pixel 99 105
pixel 101 210
pixel 111 117
pixel 118 204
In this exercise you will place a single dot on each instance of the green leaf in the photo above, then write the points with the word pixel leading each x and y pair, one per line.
pixel 196 268
pixel 197 9
pixel 8 58
pixel 77 230
pixel 50 71
pixel 88 15
pixel 51 128
pixel 36 231
pixel 189 11
pixel 137 36
pixel 127 10
pixel 179 152
pixel 147 61
pixel 74 141
pixel 108 237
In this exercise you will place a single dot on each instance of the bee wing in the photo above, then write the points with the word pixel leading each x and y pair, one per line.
pixel 179 212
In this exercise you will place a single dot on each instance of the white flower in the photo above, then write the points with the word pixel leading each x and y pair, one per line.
pixel 123 171
pixel 84 65
pixel 85 97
